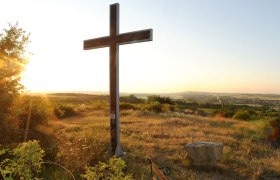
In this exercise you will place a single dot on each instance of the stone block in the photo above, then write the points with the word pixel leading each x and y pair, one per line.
pixel 204 153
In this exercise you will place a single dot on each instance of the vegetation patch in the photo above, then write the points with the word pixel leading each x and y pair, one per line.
pixel 65 110
pixel 24 162
pixel 113 169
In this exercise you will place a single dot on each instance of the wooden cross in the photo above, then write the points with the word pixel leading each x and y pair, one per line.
pixel 113 41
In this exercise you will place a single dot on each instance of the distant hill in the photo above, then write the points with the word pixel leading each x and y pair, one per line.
pixel 196 95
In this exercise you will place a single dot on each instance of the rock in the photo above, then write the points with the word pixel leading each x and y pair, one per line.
pixel 204 153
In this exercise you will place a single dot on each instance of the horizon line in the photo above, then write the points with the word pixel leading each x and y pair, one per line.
pixel 177 92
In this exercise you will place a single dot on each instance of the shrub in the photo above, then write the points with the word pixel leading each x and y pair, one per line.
pixel 41 111
pixel 157 107
pixel 167 107
pixel 64 111
pixel 127 106
pixel 40 108
pixel 24 162
pixel 131 99
pixel 14 122
pixel 242 115
pixel 159 99
pixel 152 106
pixel 99 105
pixel 275 122
pixel 264 128
pixel 112 170
pixel 227 112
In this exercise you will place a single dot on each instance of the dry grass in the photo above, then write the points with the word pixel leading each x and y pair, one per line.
pixel 84 140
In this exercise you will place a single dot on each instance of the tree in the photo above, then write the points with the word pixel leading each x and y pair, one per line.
pixel 13 42
pixel 159 99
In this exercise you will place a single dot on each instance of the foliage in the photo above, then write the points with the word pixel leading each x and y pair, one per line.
pixel 183 104
pixel 39 106
pixel 270 113
pixel 24 163
pixel 228 113
pixel 13 44
pixel 242 115
pixel 167 107
pixel 65 110
pixel 153 107
pixel 157 104
pixel 41 110
pixel 14 124
pixel 127 106
pixel 264 128
pixel 131 99
pixel 274 122
pixel 159 99
pixel 112 170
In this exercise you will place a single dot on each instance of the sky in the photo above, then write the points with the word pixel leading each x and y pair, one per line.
pixel 198 45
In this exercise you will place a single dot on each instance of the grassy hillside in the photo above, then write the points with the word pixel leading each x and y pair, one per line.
pixel 83 139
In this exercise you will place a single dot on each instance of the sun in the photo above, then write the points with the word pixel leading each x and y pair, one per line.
pixel 26 76
pixel 35 76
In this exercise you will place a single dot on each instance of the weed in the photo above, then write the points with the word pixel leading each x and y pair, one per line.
pixel 111 170
pixel 25 161
pixel 65 110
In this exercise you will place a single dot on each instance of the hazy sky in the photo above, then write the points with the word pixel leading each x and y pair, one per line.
pixel 198 45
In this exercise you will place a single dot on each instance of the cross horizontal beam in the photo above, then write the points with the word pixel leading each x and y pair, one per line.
pixel 120 39
pixel 96 43
pixel 135 37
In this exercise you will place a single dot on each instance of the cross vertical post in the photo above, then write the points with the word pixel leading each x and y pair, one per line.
pixel 113 41
pixel 114 81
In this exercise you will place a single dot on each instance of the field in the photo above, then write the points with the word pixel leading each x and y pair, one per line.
pixel 83 139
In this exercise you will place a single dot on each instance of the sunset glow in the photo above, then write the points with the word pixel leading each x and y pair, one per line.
pixel 214 46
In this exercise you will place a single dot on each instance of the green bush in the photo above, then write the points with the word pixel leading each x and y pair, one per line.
pixel 41 110
pixel 152 106
pixel 112 170
pixel 24 162
pixel 242 115
pixel 159 99
pixel 131 99
pixel 127 106
pixel 167 107
pixel 13 124
pixel 156 107
pixel 64 111
pixel 224 113
pixel 264 128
